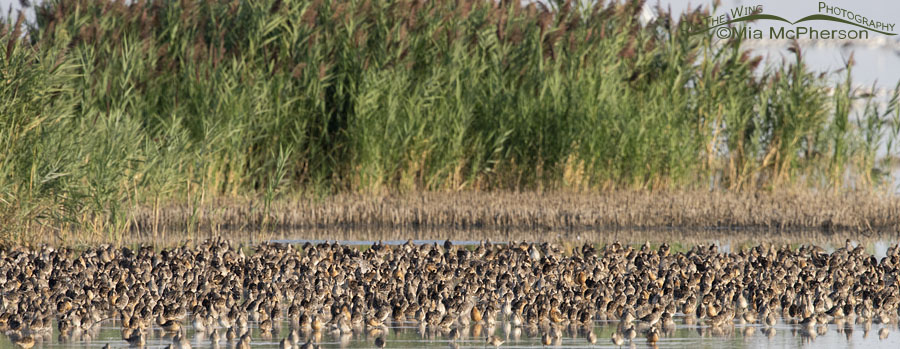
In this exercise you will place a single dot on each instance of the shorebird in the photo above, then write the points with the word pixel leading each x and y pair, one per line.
pixel 538 288
pixel 495 341
pixel 180 341
pixel 618 338
pixel 25 342
pixel 244 342
pixel 653 335
pixel 136 339
pixel 630 333
pixel 546 339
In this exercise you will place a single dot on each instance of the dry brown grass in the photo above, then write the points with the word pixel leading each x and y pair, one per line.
pixel 599 217
pixel 546 211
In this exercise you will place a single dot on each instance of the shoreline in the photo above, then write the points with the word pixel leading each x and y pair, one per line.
pixel 559 216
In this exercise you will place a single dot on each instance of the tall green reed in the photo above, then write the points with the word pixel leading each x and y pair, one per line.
pixel 108 106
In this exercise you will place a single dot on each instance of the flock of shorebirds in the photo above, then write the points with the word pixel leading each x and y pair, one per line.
pixel 456 291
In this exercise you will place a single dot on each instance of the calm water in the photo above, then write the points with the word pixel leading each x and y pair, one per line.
pixel 408 335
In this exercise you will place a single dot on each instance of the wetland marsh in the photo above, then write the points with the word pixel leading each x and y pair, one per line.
pixel 201 105
pixel 445 294
pixel 176 173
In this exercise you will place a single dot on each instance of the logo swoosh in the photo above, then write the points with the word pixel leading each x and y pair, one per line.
pixel 747 18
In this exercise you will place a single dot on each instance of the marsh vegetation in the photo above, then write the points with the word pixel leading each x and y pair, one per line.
pixel 109 108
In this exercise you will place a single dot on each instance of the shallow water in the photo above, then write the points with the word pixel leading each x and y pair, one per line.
pixel 686 334
pixel 408 335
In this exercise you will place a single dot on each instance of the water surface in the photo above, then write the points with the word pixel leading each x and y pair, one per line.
pixel 409 335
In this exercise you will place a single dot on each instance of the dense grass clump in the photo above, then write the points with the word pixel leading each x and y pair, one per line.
pixel 107 106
